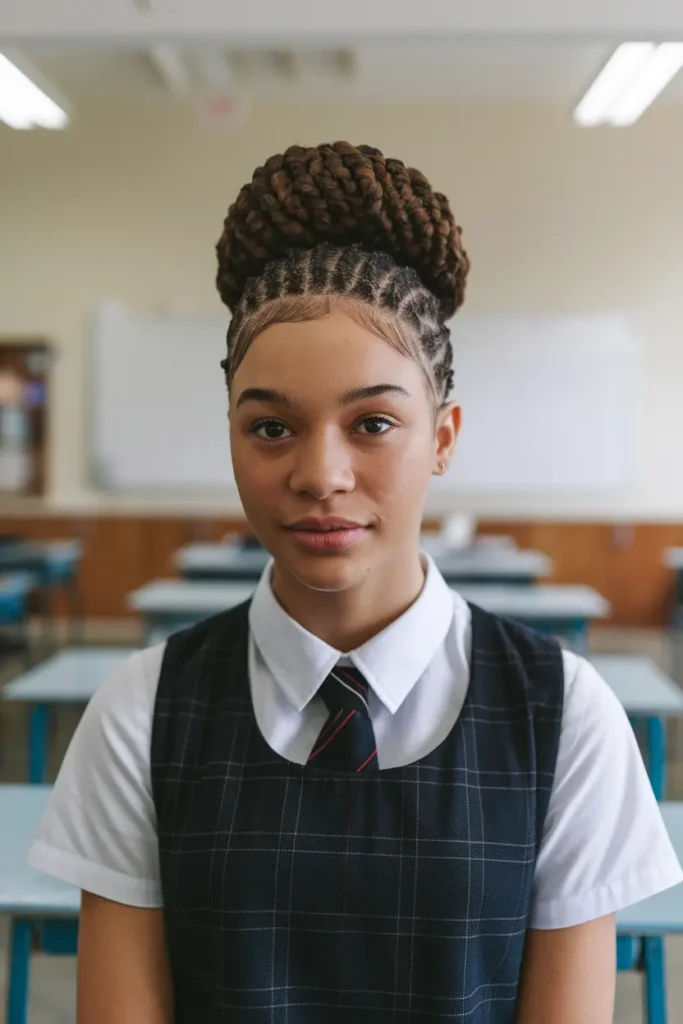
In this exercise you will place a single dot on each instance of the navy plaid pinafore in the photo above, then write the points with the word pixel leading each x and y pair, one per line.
pixel 296 895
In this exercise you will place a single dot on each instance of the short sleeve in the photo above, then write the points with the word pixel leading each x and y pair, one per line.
pixel 605 845
pixel 99 830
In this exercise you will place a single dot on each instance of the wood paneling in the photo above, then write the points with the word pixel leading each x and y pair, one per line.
pixel 623 562
pixel 120 552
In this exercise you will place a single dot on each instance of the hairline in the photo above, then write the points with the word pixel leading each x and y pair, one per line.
pixel 385 324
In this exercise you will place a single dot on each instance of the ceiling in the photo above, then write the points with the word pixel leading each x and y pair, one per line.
pixel 268 22
pixel 536 70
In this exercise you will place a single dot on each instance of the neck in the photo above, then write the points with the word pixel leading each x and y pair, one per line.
pixel 347 619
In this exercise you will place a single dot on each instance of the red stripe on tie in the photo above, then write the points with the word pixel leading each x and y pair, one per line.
pixel 353 680
pixel 330 738
pixel 373 754
pixel 328 725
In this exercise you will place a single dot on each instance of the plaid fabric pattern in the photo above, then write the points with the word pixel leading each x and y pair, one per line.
pixel 297 895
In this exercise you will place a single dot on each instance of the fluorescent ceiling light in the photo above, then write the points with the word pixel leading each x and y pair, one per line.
pixel 617 74
pixel 653 76
pixel 633 77
pixel 23 104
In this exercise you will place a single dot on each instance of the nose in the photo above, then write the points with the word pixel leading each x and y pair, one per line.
pixel 322 466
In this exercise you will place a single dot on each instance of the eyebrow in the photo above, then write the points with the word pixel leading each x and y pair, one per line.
pixel 266 395
pixel 271 397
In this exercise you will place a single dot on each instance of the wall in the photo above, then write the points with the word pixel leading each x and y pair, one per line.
pixel 128 204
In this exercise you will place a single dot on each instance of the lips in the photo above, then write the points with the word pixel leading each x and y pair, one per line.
pixel 327 535
pixel 325 525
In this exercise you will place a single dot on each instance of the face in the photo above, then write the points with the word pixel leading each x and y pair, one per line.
pixel 333 442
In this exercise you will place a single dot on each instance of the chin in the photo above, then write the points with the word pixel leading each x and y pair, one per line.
pixel 331 574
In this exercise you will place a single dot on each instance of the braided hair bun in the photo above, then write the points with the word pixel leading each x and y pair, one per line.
pixel 343 195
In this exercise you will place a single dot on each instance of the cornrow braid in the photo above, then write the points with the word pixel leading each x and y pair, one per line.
pixel 352 273
pixel 345 221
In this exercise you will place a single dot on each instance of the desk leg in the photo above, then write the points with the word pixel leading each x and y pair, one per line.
pixel 655 981
pixel 39 729
pixel 656 750
pixel 629 952
pixel 17 988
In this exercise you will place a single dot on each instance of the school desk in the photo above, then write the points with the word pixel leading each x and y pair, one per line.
pixel 560 609
pixel 223 562
pixel 641 929
pixel 70 677
pixel 53 564
pixel 648 696
pixel 479 564
pixel 493 565
pixel 168 605
pixel 42 911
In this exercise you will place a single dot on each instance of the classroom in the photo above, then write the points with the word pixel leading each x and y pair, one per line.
pixel 551 517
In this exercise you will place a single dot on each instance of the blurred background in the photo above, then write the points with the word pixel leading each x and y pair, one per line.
pixel 127 128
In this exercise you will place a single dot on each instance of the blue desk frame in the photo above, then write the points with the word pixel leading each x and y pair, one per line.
pixel 646 956
pixel 14 609
pixel 56 936
pixel 38 743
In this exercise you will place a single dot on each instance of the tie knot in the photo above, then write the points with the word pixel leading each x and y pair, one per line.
pixel 345 689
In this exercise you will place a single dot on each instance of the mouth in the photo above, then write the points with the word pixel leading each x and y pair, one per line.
pixel 325 525
pixel 326 535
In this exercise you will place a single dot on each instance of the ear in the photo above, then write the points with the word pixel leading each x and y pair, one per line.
pixel 448 422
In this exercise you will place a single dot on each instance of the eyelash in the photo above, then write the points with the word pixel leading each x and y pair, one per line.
pixel 278 423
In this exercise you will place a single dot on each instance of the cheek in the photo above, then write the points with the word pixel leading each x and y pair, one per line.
pixel 401 473
pixel 254 476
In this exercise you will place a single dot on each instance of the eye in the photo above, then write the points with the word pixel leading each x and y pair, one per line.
pixel 375 425
pixel 270 430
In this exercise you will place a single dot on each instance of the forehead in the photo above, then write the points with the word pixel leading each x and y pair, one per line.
pixel 328 356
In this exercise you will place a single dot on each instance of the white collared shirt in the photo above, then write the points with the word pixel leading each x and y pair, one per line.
pixel 604 844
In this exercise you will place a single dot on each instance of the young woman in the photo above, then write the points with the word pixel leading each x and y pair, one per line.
pixel 357 798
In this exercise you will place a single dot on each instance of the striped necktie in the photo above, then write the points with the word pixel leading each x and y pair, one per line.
pixel 347 740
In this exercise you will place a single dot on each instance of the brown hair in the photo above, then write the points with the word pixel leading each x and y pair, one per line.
pixel 339 220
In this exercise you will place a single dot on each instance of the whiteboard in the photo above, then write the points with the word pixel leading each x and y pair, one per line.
pixel 159 403
pixel 548 403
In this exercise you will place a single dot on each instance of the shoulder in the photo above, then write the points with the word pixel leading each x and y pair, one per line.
pixel 598 752
pixel 99 829
pixel 124 704
pixel 592 711
pixel 113 737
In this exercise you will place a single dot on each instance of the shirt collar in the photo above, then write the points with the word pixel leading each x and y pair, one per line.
pixel 391 662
